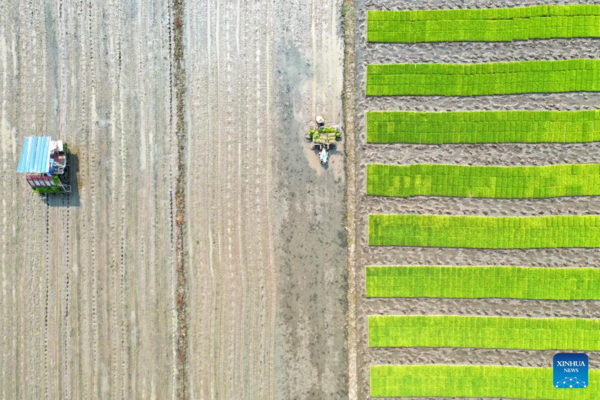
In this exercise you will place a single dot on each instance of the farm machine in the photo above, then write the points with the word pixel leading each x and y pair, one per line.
pixel 44 163
pixel 323 138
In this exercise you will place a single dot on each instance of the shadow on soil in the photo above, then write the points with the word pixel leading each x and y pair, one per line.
pixel 70 199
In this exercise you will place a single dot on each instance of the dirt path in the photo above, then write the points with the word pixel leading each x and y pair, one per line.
pixel 89 298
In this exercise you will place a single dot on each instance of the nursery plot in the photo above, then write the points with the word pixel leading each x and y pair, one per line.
pixel 473 381
pixel 485 332
pixel 484 25
pixel 484 232
pixel 483 181
pixel 445 71
pixel 400 280
pixel 483 127
pixel 578 75
pixel 484 282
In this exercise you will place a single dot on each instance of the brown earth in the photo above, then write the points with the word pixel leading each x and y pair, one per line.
pixel 90 298
pixel 266 245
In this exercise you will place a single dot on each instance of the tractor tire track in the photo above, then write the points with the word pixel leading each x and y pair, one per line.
pixel 46 300
pixel 242 226
pixel 124 370
pixel 9 258
pixel 51 303
pixel 88 352
pixel 5 279
pixel 270 250
pixel 95 370
pixel 5 299
pixel 65 384
pixel 66 328
pixel 225 191
pixel 139 242
pixel 116 132
pixel 140 285
pixel 230 208
pixel 32 339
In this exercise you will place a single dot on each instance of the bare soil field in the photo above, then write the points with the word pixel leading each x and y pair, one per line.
pixel 187 125
pixel 265 238
pixel 464 154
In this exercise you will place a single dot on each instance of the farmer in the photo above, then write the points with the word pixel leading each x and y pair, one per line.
pixel 320 121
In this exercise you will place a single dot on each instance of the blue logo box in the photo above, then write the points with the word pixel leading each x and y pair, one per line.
pixel 570 371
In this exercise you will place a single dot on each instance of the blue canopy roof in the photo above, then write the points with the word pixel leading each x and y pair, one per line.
pixel 35 155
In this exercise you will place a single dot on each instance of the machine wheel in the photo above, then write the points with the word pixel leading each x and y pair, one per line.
pixel 66 176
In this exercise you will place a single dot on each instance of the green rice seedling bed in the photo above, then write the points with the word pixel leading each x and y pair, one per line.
pixel 578 75
pixel 484 282
pixel 475 381
pixel 484 232
pixel 483 127
pixel 484 25
pixel 485 332
pixel 483 181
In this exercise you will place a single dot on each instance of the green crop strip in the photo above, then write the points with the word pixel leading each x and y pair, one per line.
pixel 484 25
pixel 483 127
pixel 484 232
pixel 485 332
pixel 483 79
pixel 474 381
pixel 484 282
pixel 483 181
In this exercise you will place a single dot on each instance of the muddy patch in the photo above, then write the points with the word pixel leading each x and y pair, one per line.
pixel 311 249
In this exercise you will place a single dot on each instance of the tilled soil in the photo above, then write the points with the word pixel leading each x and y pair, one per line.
pixel 90 301
pixel 265 233
pixel 465 154
pixel 88 279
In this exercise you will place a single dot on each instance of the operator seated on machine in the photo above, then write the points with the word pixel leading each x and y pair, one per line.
pixel 320 122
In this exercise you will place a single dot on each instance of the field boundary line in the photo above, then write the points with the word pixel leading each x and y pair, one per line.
pixel 349 26
pixel 179 76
